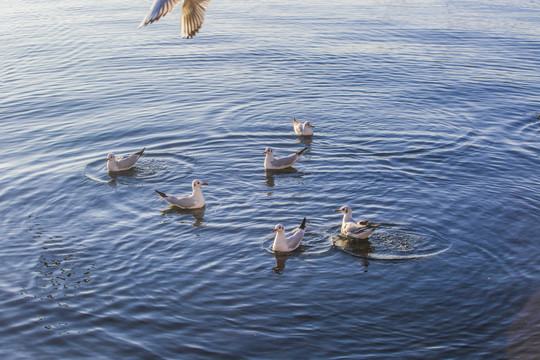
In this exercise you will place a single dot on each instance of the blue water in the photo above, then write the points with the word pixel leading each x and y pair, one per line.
pixel 427 120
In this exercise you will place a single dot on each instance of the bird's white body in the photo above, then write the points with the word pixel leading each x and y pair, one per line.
pixel 193 201
pixel 352 228
pixel 193 12
pixel 305 129
pixel 125 163
pixel 273 163
pixel 287 242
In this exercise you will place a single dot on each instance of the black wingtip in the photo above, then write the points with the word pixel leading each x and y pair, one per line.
pixel 140 152
pixel 301 151
pixel 303 225
pixel 160 193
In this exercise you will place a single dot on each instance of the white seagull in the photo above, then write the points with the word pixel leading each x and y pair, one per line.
pixel 125 163
pixel 192 14
pixel 193 201
pixel 271 163
pixel 289 241
pixel 352 228
pixel 305 129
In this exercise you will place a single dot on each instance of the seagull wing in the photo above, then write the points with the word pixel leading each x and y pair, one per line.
pixel 159 9
pixel 192 16
pixel 184 202
pixel 294 238
pixel 128 161
pixel 285 161
pixel 358 232
pixel 297 127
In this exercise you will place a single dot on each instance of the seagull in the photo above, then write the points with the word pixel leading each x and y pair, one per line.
pixel 281 163
pixel 125 163
pixel 351 228
pixel 289 241
pixel 305 129
pixel 192 14
pixel 193 201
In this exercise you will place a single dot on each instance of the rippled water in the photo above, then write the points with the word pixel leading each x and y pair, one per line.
pixel 427 121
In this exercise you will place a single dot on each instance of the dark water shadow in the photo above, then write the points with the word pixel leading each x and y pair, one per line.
pixel 281 258
pixel 63 270
pixel 357 247
pixel 271 175
pixel 198 214
pixel 305 140
pixel 523 335
pixel 117 176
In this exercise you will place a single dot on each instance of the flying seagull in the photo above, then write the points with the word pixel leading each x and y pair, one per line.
pixel 192 14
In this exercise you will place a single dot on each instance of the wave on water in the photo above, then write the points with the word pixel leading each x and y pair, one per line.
pixel 394 242
pixel 153 168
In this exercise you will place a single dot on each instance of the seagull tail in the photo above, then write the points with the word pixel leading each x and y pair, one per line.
pixel 294 121
pixel 139 152
pixel 301 151
pixel 163 195
pixel 303 225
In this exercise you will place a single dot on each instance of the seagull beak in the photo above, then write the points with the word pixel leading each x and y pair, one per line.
pixel 204 184
pixel 337 210
pixel 274 230
pixel 264 152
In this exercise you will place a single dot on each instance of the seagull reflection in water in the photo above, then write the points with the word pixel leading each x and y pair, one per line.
pixel 198 214
pixel 305 140
pixel 288 172
pixel 116 176
pixel 282 257
pixel 357 247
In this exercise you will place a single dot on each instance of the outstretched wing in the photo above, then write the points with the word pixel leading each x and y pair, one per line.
pixel 159 9
pixel 297 127
pixel 193 16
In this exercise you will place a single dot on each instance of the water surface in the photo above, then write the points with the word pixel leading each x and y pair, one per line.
pixel 426 116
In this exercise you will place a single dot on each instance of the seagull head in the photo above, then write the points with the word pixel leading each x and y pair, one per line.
pixel 279 228
pixel 345 210
pixel 110 157
pixel 197 183
pixel 268 151
pixel 307 124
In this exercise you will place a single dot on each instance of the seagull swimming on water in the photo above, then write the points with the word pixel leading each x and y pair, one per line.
pixel 305 129
pixel 271 163
pixel 289 241
pixel 351 228
pixel 193 201
pixel 192 14
pixel 125 163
